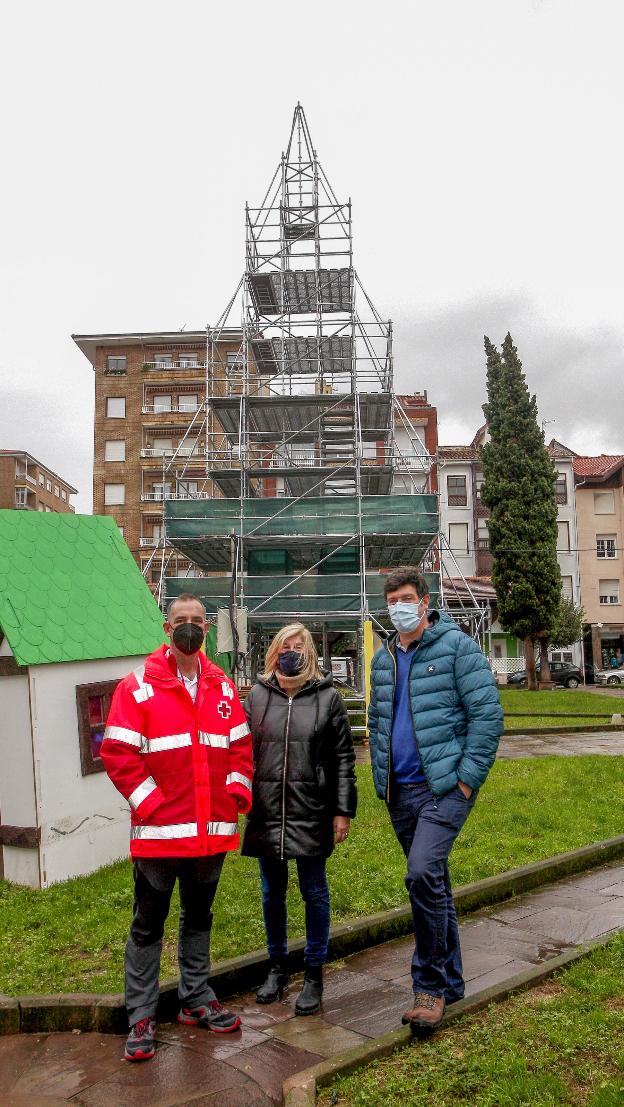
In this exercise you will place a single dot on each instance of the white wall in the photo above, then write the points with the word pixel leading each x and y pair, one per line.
pixel 84 820
pixel 466 562
pixel 17 789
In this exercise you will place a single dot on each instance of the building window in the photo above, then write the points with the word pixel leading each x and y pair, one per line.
pixel 116 407
pixel 121 531
pixel 187 487
pixel 479 482
pixel 41 480
pixel 561 489
pixel 566 588
pixel 57 491
pixel 48 508
pixel 188 361
pixel 563 537
pixel 456 491
pixel 160 489
pixel 93 704
pixel 48 486
pixel 163 361
pixel 603 503
pixel 162 445
pixel 188 402
pixel 162 402
pixel 63 494
pixel 40 506
pixel 458 538
pixel 115 450
pixel 605 546
pixel 20 497
pixel 115 365
pixel 114 494
pixel 609 591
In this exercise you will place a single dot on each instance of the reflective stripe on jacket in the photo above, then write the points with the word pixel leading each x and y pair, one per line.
pixel 182 766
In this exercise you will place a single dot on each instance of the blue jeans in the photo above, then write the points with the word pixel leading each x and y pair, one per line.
pixel 426 827
pixel 315 893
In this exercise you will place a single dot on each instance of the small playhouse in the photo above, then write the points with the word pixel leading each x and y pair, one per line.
pixel 75 617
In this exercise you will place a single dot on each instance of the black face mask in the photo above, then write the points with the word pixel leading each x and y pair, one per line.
pixel 188 637
pixel 290 662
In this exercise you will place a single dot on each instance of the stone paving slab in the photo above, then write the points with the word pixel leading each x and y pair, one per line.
pixel 364 997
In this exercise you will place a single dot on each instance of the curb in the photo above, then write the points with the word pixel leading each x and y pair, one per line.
pixel 36 1014
pixel 300 1089
pixel 606 728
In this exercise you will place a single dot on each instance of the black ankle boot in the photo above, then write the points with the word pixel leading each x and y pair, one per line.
pixel 275 983
pixel 309 998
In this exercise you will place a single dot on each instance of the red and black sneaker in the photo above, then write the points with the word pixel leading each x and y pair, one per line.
pixel 140 1041
pixel 214 1016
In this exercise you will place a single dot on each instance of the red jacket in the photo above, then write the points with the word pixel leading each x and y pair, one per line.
pixel 182 766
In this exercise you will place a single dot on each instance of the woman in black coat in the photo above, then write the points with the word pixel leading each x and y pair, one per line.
pixel 304 796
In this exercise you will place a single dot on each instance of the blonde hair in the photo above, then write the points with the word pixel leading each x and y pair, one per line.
pixel 310 669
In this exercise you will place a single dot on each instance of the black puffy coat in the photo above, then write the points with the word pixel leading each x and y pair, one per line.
pixel 304 769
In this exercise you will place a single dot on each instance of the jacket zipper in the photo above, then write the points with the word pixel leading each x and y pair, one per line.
pixel 422 764
pixel 283 833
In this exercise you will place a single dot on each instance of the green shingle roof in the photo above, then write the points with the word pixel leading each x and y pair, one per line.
pixel 70 590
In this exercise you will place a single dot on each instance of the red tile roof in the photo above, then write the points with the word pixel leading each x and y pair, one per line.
pixel 597 468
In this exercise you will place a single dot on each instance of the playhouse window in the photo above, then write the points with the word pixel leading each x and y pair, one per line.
pixel 93 702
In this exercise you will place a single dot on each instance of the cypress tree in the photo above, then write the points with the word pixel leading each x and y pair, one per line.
pixel 519 489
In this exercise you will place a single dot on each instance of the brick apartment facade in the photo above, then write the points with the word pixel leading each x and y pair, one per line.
pixel 28 485
pixel 150 392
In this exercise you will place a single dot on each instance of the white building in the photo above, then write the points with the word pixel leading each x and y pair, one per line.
pixel 464 524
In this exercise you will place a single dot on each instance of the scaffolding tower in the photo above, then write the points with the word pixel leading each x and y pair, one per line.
pixel 306 496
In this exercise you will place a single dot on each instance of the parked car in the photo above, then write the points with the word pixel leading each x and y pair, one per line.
pixel 609 676
pixel 562 672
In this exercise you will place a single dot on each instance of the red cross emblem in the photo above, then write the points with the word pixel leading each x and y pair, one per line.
pixel 224 709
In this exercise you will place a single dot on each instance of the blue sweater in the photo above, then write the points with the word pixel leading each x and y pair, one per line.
pixel 406 765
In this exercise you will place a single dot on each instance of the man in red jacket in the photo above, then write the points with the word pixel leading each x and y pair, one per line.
pixel 177 747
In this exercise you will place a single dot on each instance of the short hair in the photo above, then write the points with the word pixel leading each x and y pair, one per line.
pixel 183 596
pixel 310 669
pixel 407 574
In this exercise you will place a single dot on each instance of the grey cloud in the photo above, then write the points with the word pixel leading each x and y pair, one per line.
pixel 576 375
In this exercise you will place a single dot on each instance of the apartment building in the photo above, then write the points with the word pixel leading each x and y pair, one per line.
pixel 415 432
pixel 28 485
pixel 600 517
pixel 464 524
pixel 151 437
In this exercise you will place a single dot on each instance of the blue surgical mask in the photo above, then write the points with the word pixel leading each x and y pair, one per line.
pixel 405 616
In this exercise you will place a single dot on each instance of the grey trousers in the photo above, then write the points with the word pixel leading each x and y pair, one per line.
pixel 154 880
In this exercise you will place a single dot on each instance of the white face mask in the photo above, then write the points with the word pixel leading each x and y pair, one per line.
pixel 405 616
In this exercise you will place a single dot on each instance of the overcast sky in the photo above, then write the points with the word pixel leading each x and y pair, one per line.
pixel 481 144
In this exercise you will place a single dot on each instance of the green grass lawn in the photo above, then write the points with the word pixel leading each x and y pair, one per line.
pixel 563 701
pixel 71 936
pixel 562 1043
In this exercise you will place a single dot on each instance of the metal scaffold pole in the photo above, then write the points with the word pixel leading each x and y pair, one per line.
pixel 308 462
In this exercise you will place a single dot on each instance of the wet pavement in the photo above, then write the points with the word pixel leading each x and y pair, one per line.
pixel 364 997
pixel 607 742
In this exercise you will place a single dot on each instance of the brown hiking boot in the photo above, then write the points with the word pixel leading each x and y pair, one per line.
pixel 427 1012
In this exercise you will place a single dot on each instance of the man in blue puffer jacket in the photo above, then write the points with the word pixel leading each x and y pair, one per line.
pixel 434 725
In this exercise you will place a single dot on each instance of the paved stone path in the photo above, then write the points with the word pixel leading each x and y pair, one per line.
pixel 607 742
pixel 365 996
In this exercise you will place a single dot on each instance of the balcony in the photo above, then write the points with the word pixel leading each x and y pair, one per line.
pixel 175 451
pixel 163 367
pixel 175 409
pixel 158 497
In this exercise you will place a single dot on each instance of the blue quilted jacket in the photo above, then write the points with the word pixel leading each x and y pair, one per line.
pixel 456 709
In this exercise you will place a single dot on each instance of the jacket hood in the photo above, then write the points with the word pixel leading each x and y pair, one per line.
pixel 161 665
